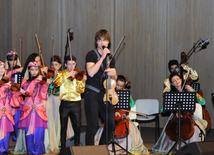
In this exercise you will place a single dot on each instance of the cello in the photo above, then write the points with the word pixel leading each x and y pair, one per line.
pixel 205 113
pixel 186 129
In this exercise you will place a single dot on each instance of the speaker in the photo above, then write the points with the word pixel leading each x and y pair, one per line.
pixel 89 150
pixel 197 148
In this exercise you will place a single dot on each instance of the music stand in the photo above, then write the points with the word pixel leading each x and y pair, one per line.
pixel 18 78
pixel 124 99
pixel 182 101
pixel 196 86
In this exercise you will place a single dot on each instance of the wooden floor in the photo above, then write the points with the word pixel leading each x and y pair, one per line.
pixel 148 135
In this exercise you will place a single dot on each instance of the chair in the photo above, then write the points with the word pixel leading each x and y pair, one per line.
pixel 149 107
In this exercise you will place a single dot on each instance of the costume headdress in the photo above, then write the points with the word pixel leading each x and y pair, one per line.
pixel 31 64
pixel 9 54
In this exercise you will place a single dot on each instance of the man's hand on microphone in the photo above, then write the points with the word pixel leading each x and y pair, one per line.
pixel 105 52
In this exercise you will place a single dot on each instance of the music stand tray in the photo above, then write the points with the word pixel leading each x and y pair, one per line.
pixel 186 101
pixel 181 101
pixel 124 99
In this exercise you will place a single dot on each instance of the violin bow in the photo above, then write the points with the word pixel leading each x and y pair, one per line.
pixel 185 81
pixel 12 65
pixel 53 45
pixel 117 49
pixel 69 43
pixel 40 50
pixel 145 115
pixel 21 50
pixel 114 54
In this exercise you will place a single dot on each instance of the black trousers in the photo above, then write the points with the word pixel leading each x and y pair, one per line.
pixel 94 104
pixel 70 109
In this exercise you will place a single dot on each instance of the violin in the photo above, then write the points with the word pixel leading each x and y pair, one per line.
pixel 14 86
pixel 110 95
pixel 79 74
pixel 4 80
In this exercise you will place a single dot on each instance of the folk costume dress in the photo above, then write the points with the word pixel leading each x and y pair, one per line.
pixel 16 111
pixel 8 99
pixel 34 120
pixel 164 144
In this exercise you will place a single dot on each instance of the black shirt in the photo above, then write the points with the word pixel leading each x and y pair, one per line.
pixel 96 80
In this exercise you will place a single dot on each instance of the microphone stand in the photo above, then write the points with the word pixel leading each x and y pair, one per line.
pixel 107 62
pixel 196 45
pixel 127 133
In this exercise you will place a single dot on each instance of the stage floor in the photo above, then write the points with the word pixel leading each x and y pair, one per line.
pixel 148 135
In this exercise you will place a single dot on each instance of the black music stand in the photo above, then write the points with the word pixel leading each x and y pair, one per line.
pixel 18 78
pixel 124 103
pixel 182 101
pixel 196 86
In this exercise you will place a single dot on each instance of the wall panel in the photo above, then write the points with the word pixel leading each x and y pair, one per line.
pixel 5 26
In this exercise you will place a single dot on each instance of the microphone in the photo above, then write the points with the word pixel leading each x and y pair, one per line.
pixel 204 43
pixel 108 54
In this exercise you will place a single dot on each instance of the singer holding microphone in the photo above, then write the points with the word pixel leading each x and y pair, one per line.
pixel 95 67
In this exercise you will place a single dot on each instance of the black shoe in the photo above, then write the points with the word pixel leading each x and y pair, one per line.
pixel 5 153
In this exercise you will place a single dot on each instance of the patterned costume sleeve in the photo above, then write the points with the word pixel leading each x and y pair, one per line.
pixel 14 102
pixel 200 99
pixel 2 89
pixel 132 103
pixel 30 87
pixel 8 72
pixel 43 92
pixel 166 85
pixel 192 73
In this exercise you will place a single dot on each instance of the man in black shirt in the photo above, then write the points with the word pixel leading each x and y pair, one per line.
pixel 96 64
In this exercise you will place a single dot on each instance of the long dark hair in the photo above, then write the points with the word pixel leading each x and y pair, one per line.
pixel 173 88
pixel 33 77
pixel 30 58
pixel 125 80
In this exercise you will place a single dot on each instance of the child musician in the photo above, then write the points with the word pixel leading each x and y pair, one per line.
pixel 33 117
pixel 135 142
pixel 12 62
pixel 52 134
pixel 8 99
pixel 70 95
